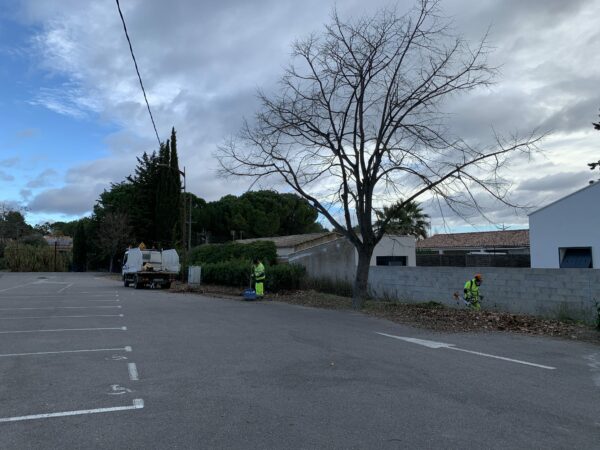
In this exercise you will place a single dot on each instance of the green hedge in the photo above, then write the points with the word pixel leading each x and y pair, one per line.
pixel 217 253
pixel 237 273
pixel 284 277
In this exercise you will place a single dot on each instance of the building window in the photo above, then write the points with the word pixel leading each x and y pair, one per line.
pixel 575 258
pixel 391 260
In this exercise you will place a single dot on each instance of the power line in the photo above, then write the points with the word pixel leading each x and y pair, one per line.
pixel 138 71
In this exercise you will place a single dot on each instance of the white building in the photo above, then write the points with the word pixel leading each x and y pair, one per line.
pixel 566 233
pixel 392 250
pixel 333 256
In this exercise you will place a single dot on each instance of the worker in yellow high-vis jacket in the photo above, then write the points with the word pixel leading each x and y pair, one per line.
pixel 472 296
pixel 258 275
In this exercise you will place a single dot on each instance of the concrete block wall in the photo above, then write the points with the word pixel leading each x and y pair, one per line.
pixel 552 293
pixel 333 260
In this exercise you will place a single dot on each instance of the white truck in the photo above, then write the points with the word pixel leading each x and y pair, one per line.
pixel 154 268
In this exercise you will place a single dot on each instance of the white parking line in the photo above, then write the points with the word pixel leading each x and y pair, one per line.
pixel 61 317
pixel 59 307
pixel 138 403
pixel 133 373
pixel 66 287
pixel 443 345
pixel 63 329
pixel 487 355
pixel 99 300
pixel 72 294
pixel 16 287
pixel 123 349
pixel 27 301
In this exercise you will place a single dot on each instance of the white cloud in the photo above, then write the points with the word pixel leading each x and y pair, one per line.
pixel 6 177
pixel 43 179
pixel 71 199
pixel 9 162
pixel 202 61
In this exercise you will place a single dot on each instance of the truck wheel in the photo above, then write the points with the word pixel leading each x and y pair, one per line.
pixel 125 282
pixel 136 283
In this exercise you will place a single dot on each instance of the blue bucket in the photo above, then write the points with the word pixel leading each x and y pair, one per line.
pixel 249 294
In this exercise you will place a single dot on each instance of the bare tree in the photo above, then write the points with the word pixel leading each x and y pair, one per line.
pixel 357 121
pixel 595 164
pixel 114 233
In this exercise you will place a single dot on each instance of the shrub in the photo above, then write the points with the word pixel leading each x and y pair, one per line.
pixel 284 277
pixel 27 258
pixel 230 273
pixel 237 273
pixel 216 253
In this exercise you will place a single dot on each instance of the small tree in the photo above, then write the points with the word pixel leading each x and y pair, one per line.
pixel 358 118
pixel 80 248
pixel 403 218
pixel 114 233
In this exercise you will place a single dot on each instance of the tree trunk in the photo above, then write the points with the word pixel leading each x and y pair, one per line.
pixel 361 280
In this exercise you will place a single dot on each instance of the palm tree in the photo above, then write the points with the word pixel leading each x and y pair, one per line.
pixel 408 219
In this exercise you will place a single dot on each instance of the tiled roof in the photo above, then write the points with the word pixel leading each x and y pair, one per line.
pixel 483 239
pixel 290 241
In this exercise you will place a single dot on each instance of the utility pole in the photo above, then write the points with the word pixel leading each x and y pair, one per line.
pixel 189 242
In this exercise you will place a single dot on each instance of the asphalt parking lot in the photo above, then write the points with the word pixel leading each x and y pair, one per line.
pixel 87 363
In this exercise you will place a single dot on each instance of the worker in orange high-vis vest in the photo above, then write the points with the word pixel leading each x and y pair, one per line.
pixel 258 274
pixel 472 296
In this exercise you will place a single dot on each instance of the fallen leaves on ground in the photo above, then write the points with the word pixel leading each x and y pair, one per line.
pixel 431 315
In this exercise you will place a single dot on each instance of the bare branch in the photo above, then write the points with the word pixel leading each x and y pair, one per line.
pixel 357 120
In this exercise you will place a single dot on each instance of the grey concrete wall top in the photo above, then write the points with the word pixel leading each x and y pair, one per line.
pixel 554 293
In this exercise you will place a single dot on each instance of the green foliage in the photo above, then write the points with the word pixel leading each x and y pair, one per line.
pixel 13 225
pixel 237 273
pixel 28 258
pixel 112 236
pixel 34 239
pixel 230 273
pixel 255 214
pixel 150 198
pixel 406 219
pixel 3 265
pixel 80 249
pixel 216 253
pixel 168 206
pixel 284 277
pixel 64 228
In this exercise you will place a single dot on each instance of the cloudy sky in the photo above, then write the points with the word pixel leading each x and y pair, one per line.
pixel 73 119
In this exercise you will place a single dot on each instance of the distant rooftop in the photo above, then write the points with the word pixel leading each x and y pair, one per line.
pixel 60 242
pixel 293 240
pixel 481 239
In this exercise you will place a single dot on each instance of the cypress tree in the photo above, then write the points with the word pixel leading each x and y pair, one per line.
pixel 145 183
pixel 163 208
pixel 175 192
